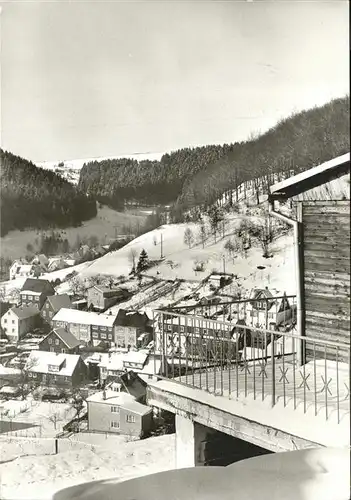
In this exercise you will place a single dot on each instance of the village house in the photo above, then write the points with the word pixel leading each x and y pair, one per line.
pixel 114 364
pixel 60 341
pixel 41 260
pixel 130 383
pixel 129 328
pixel 88 327
pixel 267 311
pixel 53 304
pixel 17 269
pixel 52 369
pixel 101 297
pixel 56 263
pixel 35 292
pixel 18 321
pixel 118 413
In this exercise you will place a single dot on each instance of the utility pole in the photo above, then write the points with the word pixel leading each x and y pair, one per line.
pixel 161 246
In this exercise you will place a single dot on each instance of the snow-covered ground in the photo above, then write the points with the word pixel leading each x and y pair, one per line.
pixel 313 474
pixel 179 261
pixel 39 477
pixel 70 169
pixel 41 417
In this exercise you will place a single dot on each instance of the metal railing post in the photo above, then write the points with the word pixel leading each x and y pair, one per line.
pixel 273 372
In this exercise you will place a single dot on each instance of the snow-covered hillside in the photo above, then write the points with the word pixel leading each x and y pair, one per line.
pixel 179 261
pixel 70 169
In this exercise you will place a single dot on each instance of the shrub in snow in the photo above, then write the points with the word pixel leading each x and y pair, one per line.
pixel 199 266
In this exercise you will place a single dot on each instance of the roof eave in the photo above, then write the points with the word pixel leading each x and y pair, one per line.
pixel 300 186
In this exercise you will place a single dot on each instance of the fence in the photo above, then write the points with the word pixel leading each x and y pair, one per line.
pixel 238 360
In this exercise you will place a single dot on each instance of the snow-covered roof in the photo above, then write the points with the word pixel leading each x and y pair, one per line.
pixel 39 362
pixel 138 357
pixel 24 312
pixel 84 317
pixel 113 361
pixel 25 292
pixel 312 177
pixel 122 399
pixel 151 367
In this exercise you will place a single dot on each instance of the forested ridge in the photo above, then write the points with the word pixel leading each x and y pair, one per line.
pixel 32 197
pixel 198 176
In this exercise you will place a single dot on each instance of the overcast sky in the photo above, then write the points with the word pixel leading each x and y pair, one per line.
pixel 85 79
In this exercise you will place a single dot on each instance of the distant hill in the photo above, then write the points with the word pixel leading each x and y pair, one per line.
pixel 32 197
pixel 193 176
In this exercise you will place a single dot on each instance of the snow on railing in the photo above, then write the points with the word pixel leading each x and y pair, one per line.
pixel 234 359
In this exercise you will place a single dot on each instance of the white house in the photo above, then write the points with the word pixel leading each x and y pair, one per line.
pixel 18 321
pixel 21 268
pixel 267 311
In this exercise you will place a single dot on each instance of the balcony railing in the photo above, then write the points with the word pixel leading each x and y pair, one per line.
pixel 236 360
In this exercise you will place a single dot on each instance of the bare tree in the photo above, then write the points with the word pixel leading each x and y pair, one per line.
pixel 188 237
pixel 14 295
pixel 77 403
pixel 27 378
pixel 77 286
pixel 230 247
pixel 202 234
pixel 132 257
pixel 54 417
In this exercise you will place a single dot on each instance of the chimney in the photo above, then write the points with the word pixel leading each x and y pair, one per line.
pixel 104 394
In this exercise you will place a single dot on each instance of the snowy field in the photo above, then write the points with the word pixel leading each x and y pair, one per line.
pixel 41 419
pixel 179 261
pixel 39 477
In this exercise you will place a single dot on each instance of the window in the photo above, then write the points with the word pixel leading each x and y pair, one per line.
pixel 37 298
pixel 66 379
pixel 115 424
pixel 130 419
pixel 47 306
pixel 13 330
pixel 52 349
pixel 110 336
pixel 30 375
pixel 5 320
pixel 13 321
pixel 196 330
pixel 114 409
pixel 63 351
pixel 103 335
pixel 50 341
pixel 44 377
pixel 57 342
pixel 95 335
pixel 182 328
pixel 34 375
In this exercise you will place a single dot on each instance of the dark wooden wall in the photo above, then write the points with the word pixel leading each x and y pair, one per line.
pixel 326 274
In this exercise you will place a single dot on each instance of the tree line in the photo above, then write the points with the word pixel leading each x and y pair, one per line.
pixel 32 197
pixel 198 176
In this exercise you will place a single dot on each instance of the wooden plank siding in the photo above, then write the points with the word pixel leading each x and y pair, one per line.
pixel 326 276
